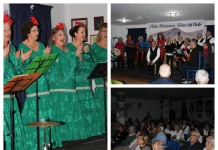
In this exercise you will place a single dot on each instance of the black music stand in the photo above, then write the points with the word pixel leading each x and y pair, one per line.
pixel 100 71
pixel 17 84
pixel 40 64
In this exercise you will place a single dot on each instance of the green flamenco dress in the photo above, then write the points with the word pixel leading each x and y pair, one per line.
pixel 84 92
pixel 65 104
pixel 9 73
pixel 100 55
pixel 29 110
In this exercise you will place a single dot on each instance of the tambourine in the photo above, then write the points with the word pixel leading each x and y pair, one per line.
pixel 117 52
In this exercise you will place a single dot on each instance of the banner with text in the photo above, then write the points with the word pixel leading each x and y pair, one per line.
pixel 187 29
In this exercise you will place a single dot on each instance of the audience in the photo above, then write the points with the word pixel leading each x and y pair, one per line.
pixel 130 138
pixel 142 142
pixel 158 145
pixel 202 77
pixel 165 73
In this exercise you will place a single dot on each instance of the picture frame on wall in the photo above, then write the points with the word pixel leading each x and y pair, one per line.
pixel 98 21
pixel 93 38
pixel 83 21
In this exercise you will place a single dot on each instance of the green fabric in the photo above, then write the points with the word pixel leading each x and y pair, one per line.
pixel 65 104
pixel 128 140
pixel 99 54
pixel 29 110
pixel 84 92
pixel 9 72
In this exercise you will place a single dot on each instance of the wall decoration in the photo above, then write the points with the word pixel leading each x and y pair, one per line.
pixel 83 21
pixel 93 38
pixel 98 21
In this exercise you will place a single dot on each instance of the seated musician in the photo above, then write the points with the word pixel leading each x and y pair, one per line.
pixel 153 58
pixel 190 63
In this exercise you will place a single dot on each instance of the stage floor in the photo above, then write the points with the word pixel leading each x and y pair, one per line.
pixel 93 143
pixel 139 76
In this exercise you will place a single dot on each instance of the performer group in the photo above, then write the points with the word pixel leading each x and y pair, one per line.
pixel 65 93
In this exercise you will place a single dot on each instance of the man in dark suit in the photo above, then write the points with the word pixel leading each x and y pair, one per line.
pixel 165 73
pixel 193 144
pixel 191 64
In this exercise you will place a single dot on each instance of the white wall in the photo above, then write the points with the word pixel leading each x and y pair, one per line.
pixel 146 107
pixel 122 30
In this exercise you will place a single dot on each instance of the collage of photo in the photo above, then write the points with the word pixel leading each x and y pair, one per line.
pixel 72 84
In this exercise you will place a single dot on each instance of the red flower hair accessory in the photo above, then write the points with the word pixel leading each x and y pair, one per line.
pixel 34 21
pixel 60 26
pixel 7 19
pixel 80 24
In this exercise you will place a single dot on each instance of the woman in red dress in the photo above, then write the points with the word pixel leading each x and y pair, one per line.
pixel 120 45
pixel 160 42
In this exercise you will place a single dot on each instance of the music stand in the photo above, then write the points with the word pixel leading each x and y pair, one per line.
pixel 40 64
pixel 100 71
pixel 17 84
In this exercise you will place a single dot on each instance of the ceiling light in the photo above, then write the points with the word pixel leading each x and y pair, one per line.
pixel 173 14
pixel 124 20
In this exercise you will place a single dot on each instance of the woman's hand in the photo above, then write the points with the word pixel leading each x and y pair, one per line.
pixel 26 55
pixel 79 50
pixel 47 50
pixel 7 50
pixel 17 54
pixel 86 49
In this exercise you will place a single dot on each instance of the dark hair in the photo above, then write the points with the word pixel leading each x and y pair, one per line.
pixel 25 29
pixel 53 32
pixel 161 36
pixel 194 41
pixel 74 30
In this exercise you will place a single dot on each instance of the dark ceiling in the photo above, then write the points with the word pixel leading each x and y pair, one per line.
pixel 177 94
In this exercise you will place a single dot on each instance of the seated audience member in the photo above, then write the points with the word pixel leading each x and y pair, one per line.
pixel 200 140
pixel 142 142
pixel 133 145
pixel 165 73
pixel 158 145
pixel 207 52
pixel 121 46
pixel 192 63
pixel 200 39
pixel 153 56
pixel 160 136
pixel 119 137
pixel 186 129
pixel 130 138
pixel 212 132
pixel 206 130
pixel 139 54
pixel 202 77
pixel 177 134
pixel 193 144
pixel 209 143
pixel 169 46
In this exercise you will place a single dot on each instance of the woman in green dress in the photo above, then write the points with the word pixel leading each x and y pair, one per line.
pixel 65 104
pixel 10 60
pixel 84 66
pixel 99 51
pixel 30 48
